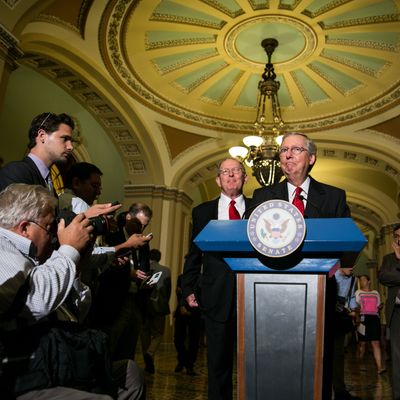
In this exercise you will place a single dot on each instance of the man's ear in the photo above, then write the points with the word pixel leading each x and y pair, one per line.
pixel 218 180
pixel 22 229
pixel 41 136
pixel 128 216
pixel 312 160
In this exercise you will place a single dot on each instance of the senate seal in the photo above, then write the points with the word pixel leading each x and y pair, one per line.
pixel 276 228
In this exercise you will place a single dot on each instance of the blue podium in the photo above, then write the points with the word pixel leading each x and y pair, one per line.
pixel 281 305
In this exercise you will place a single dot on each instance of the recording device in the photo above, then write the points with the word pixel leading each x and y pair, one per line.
pixel 149 234
pixel 102 224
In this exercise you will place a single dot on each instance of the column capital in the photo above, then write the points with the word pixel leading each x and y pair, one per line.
pixel 158 191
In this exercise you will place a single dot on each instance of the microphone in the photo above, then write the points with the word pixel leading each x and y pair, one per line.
pixel 302 198
pixel 247 212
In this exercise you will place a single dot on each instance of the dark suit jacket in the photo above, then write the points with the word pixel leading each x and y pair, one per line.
pixel 114 283
pixel 24 171
pixel 215 286
pixel 389 275
pixel 323 201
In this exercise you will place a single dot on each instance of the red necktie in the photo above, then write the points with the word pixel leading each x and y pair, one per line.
pixel 233 212
pixel 297 201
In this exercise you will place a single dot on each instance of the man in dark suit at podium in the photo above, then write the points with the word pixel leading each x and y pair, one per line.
pixel 214 290
pixel 298 154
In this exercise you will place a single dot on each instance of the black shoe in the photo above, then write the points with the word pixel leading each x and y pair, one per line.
pixel 148 360
pixel 346 396
pixel 179 368
pixel 190 372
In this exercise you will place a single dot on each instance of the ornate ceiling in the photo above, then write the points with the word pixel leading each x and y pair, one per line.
pixel 200 61
pixel 174 83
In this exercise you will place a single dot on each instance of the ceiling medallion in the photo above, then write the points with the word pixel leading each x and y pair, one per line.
pixel 300 38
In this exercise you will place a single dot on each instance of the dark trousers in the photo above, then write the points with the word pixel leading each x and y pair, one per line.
pixel 221 339
pixel 395 351
pixel 187 337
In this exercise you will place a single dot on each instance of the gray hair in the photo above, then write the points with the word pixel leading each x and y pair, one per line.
pixel 22 202
pixel 310 144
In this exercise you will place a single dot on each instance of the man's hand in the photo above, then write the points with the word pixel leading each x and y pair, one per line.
pixel 134 241
pixel 76 234
pixel 192 301
pixel 138 274
pixel 100 209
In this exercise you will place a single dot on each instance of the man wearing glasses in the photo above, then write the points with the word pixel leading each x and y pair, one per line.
pixel 217 291
pixel 297 155
pixel 389 275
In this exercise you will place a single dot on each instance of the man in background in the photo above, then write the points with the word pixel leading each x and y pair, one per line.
pixel 157 309
pixel 121 302
pixel 82 187
pixel 49 141
pixel 389 275
pixel 217 283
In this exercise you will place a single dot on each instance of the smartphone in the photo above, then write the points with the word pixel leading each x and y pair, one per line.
pixel 149 234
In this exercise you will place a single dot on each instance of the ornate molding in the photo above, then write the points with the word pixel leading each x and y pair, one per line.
pixel 158 191
pixel 9 48
pixel 86 94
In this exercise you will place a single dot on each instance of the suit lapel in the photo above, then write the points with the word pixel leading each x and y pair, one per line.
pixel 316 197
pixel 280 191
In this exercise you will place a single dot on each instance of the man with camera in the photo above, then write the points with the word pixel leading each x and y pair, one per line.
pixel 28 270
pixel 35 280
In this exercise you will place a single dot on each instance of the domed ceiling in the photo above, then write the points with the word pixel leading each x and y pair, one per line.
pixel 200 61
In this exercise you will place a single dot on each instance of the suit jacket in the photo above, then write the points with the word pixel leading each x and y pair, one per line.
pixel 215 285
pixel 389 275
pixel 323 201
pixel 158 301
pixel 24 171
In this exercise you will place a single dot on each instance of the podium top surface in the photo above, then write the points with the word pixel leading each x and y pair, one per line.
pixel 322 235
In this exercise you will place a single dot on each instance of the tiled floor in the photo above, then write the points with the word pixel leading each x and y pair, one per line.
pixel 361 378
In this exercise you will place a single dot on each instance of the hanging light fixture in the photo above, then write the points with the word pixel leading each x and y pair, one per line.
pixel 261 151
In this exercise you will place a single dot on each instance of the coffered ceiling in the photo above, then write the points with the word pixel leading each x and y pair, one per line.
pixel 174 83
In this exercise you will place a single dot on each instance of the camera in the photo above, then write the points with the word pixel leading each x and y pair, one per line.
pixel 102 224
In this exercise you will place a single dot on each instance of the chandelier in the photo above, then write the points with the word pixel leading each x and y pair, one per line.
pixel 261 151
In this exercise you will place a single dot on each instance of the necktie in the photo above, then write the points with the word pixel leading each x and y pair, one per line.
pixel 49 183
pixel 297 201
pixel 233 212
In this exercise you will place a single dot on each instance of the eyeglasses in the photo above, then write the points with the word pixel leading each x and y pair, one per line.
pixel 50 231
pixel 229 171
pixel 296 150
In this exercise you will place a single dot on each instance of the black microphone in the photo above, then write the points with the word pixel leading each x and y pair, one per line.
pixel 246 213
pixel 302 198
